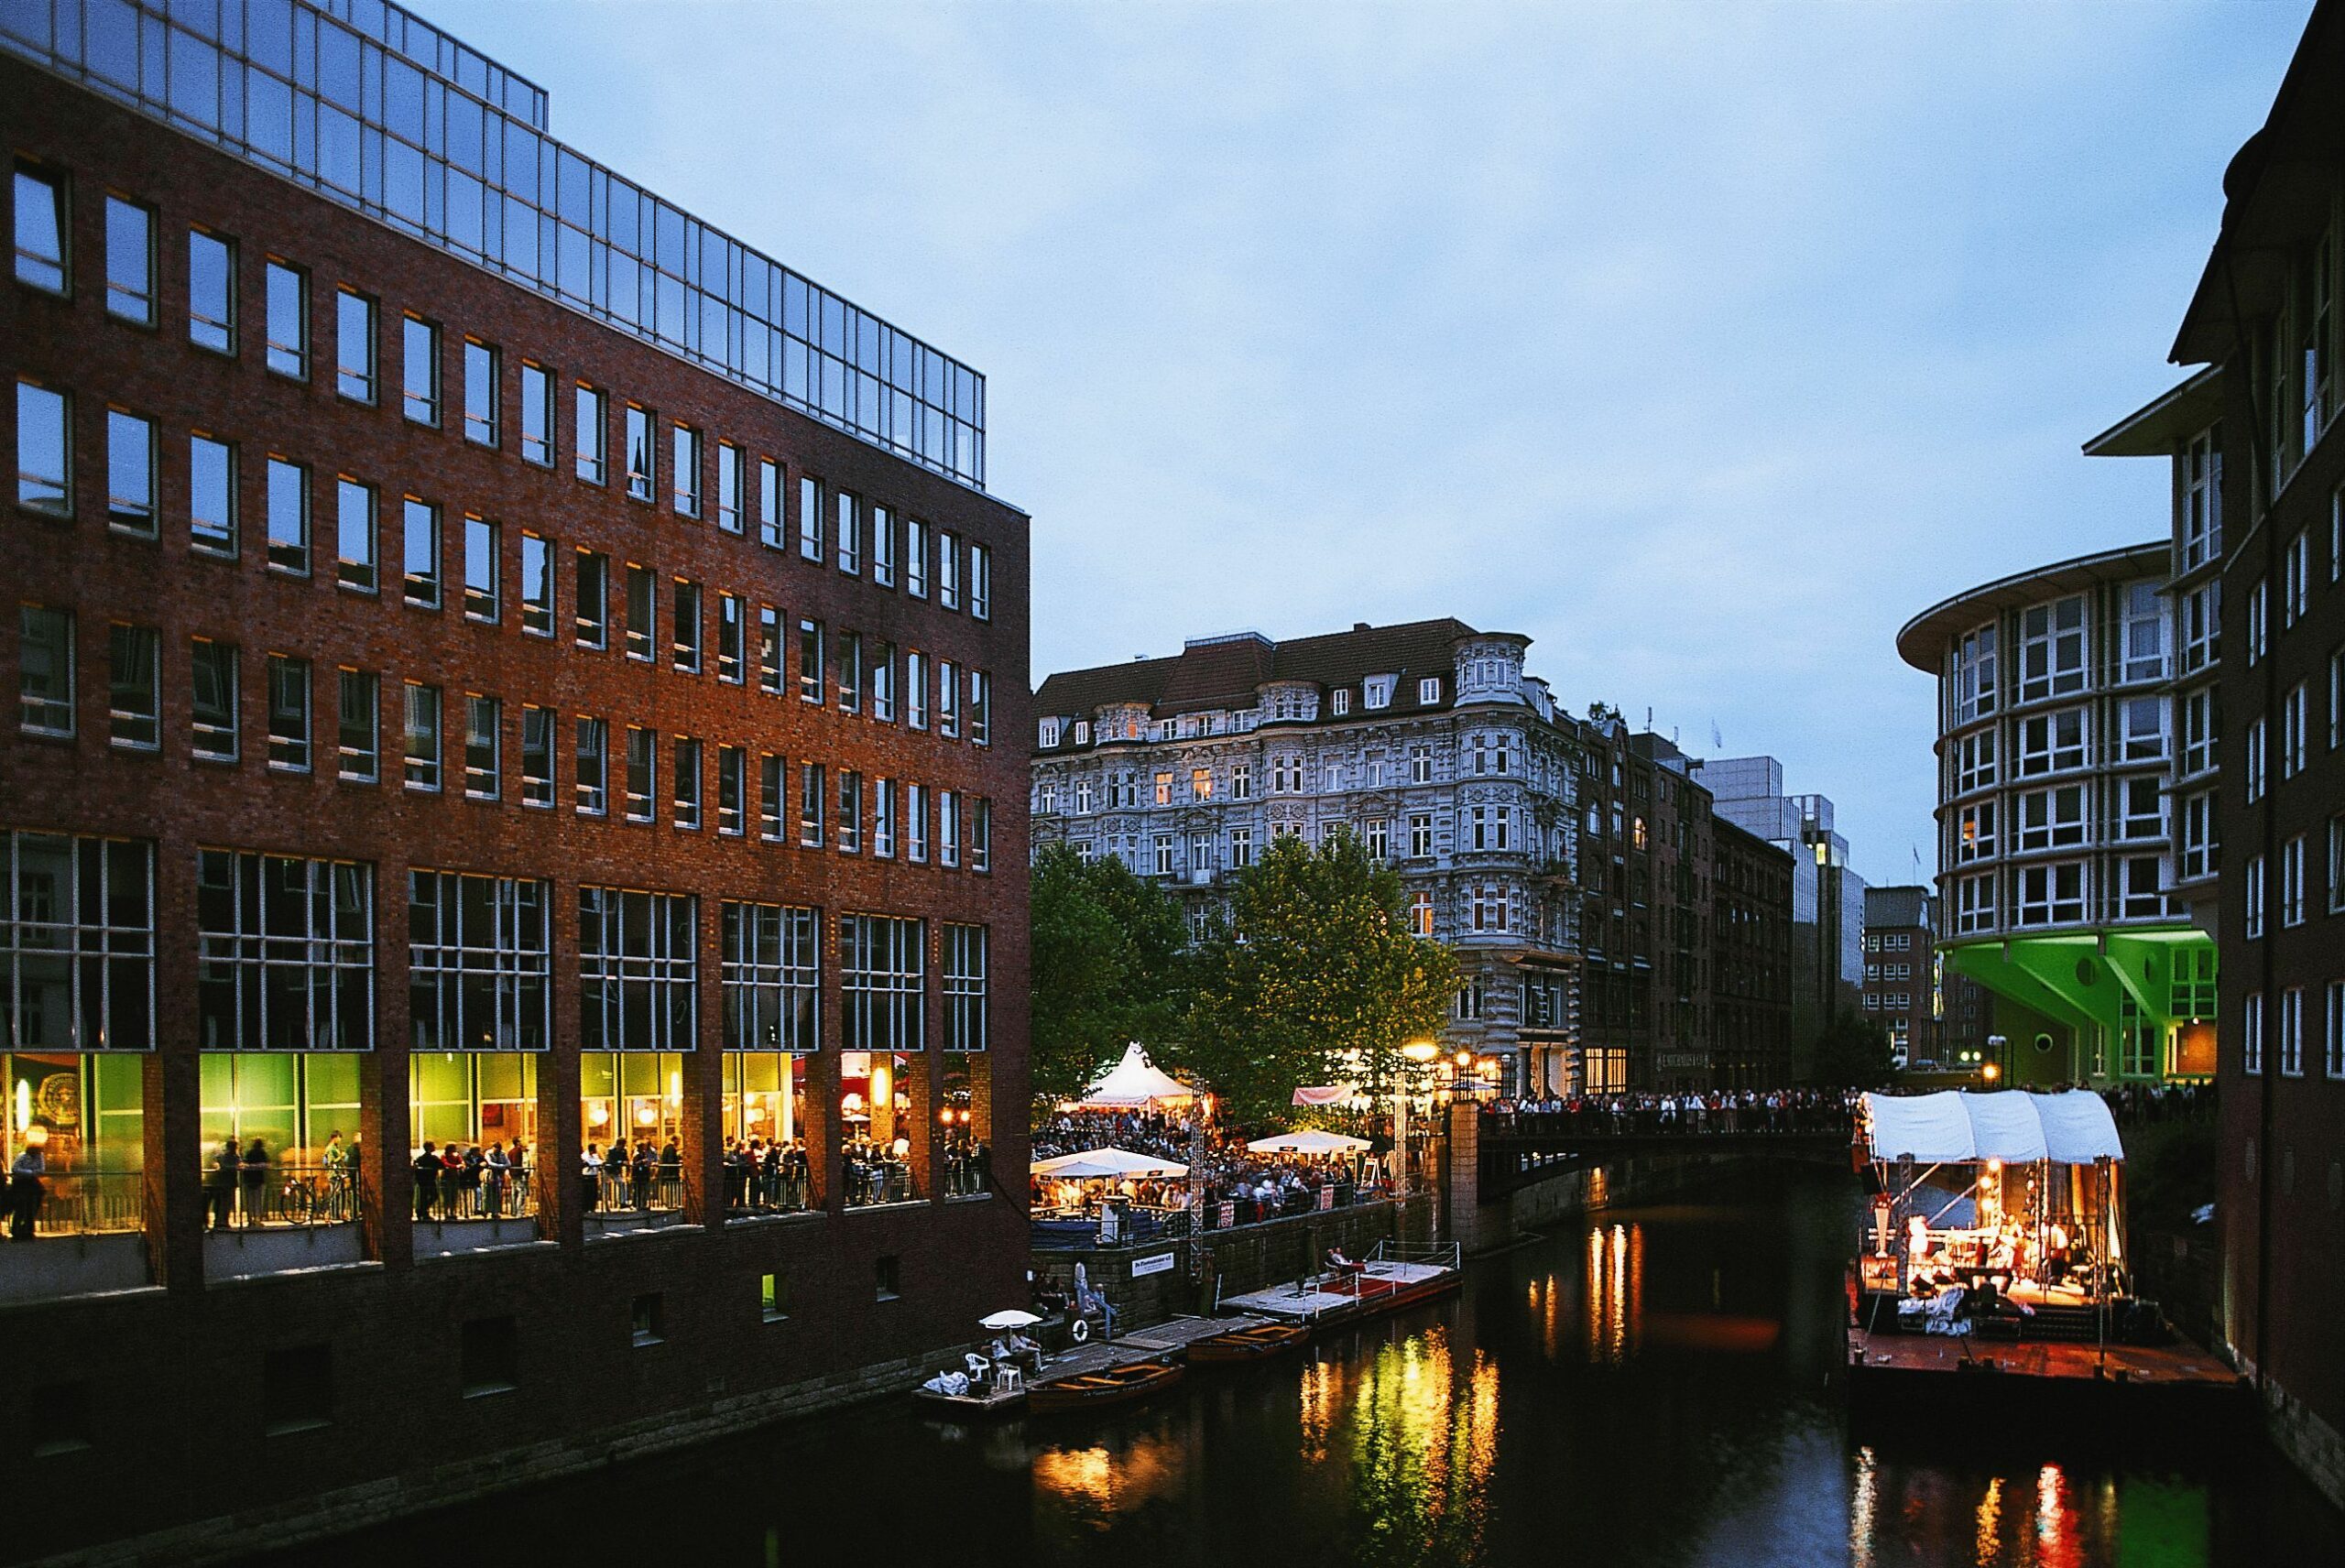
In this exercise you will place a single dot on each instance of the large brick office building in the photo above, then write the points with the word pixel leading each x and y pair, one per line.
pixel 498 662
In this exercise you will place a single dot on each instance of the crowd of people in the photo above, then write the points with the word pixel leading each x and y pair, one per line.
pixel 468 1182
pixel 1689 1111
pixel 1254 1186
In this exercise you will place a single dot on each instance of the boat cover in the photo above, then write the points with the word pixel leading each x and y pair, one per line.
pixel 2072 1128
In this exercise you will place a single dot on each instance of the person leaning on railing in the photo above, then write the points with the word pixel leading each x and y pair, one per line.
pixel 25 1190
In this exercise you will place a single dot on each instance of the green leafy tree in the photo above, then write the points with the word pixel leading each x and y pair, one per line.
pixel 1109 968
pixel 1314 978
pixel 1853 1054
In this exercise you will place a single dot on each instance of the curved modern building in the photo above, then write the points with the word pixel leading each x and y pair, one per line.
pixel 2055 743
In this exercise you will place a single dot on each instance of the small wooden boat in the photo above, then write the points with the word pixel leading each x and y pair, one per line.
pixel 974 1405
pixel 1109 1386
pixel 1258 1342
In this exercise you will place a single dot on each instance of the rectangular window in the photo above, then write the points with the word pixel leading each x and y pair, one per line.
pixel 850 530
pixel 642 612
pixel 812 802
pixel 948 700
pixel 211 292
pixel 850 833
pixel 45 671
pixel 354 350
pixel 1241 848
pixel 981 835
pixel 358 727
pixel 770 970
pixel 133 681
pixel 773 797
pixel 289 320
pixel 729 484
pixel 591 441
pixel 130 474
pixel 483 598
pixel 285 953
pixel 483 744
pixel 2296 578
pixel 980 708
pixel 2253 912
pixel 2332 1062
pixel 537 586
pixel 948 828
pixel 915 689
pixel 2145 632
pixel 731 636
pixel 1974 675
pixel 419 553
pixel 883 983
pixel 916 557
pixel 642 773
pixel 130 262
pixel 850 672
pixel 685 649
pixel 883 545
pixel 483 390
pixel 948 570
pixel 2202 524
pixel 968 1026
pixel 354 535
pixel 883 817
pixel 537 756
pixel 638 970
pixel 422 767
pixel 77 950
pixel 289 713
pixel 537 415
pixel 769 649
pixel 41 230
pixel 731 791
pixel 289 516
pixel 2291 882
pixel 770 524
pixel 212 495
pixel 213 688
pixel 810 518
pixel 2294 711
pixel 2254 782
pixel 687 784
pixel 883 682
pixel 1419 834
pixel 809 661
pixel 2292 1032
pixel 592 623
pixel 44 449
pixel 981 581
pixel 2257 615
pixel 2052 648
pixel 593 767
pixel 2251 1035
pixel 684 470
pixel 642 462
pixel 420 370
pixel 480 962
pixel 916 825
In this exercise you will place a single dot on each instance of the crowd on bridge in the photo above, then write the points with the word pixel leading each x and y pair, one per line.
pixel 1686 1113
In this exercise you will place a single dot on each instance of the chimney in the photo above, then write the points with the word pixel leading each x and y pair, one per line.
pixel 1359 625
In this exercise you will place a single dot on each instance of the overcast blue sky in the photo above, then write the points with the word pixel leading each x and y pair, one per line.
pixel 1704 345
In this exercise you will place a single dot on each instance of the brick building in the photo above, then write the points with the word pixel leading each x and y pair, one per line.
pixel 1899 990
pixel 1751 965
pixel 2271 561
pixel 502 663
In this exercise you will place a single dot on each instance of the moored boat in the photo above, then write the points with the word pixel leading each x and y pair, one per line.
pixel 1260 1341
pixel 1109 1386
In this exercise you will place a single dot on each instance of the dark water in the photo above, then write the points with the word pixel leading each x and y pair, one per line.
pixel 1648 1390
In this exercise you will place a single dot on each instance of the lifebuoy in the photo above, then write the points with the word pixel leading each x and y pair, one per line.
pixel 1079 1330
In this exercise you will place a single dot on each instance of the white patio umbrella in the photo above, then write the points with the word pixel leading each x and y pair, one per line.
pixel 1092 1163
pixel 1308 1143
pixel 1011 1318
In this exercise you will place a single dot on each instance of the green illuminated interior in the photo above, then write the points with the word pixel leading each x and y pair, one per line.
pixel 2126 1000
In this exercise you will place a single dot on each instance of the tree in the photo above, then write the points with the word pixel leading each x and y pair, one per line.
pixel 1314 978
pixel 1853 1054
pixel 1109 968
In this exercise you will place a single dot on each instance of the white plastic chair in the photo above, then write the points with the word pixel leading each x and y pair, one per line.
pixel 1008 1379
pixel 978 1366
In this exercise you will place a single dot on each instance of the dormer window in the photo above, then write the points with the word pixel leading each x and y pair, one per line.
pixel 1429 690
pixel 1083 732
pixel 1341 701
pixel 1378 691
pixel 1049 735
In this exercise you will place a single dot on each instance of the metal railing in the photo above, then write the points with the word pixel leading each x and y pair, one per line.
pixel 250 1196
pixel 757 1190
pixel 77 1203
pixel 657 1189
pixel 871 1182
pixel 489 1193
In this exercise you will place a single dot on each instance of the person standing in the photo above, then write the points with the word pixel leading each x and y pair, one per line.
pixel 253 1173
pixel 427 1182
pixel 25 1190
pixel 219 1187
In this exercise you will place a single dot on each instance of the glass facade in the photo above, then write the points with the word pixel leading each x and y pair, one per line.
pixel 365 105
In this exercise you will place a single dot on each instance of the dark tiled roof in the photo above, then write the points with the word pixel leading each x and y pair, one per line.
pixel 1223 672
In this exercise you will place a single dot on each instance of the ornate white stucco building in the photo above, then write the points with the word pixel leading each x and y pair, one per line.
pixel 1426 739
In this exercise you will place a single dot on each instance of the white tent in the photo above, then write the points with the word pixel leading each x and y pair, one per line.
pixel 1093 1163
pixel 1135 1081
pixel 1308 1143
pixel 2072 1128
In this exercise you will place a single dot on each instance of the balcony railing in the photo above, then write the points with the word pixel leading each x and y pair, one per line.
pixel 273 1194
pixel 86 1202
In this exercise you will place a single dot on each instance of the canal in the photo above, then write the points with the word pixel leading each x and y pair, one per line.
pixel 1649 1388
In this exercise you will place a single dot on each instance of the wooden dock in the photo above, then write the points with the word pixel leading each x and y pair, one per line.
pixel 1161 1340
pixel 1933 1382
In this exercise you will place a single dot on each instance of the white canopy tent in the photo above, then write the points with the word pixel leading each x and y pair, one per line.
pixel 1308 1143
pixel 1135 1082
pixel 2072 1128
pixel 1093 1164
